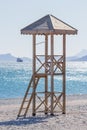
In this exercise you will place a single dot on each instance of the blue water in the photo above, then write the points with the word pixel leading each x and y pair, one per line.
pixel 14 79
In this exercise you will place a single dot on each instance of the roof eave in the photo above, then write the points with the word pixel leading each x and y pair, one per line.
pixel 41 32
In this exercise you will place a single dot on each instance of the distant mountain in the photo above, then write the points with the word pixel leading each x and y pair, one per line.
pixel 26 59
pixel 82 53
pixel 72 58
pixel 9 57
pixel 81 56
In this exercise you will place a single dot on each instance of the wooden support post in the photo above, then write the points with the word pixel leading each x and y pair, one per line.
pixel 52 76
pixel 64 73
pixel 34 70
pixel 46 79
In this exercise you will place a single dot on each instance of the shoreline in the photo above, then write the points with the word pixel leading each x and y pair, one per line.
pixel 74 96
pixel 75 117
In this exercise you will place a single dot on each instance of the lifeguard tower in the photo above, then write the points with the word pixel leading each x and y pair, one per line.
pixel 46 67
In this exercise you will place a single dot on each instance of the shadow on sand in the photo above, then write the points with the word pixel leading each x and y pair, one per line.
pixel 25 121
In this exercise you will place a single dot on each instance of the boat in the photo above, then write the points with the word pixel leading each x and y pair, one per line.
pixel 19 60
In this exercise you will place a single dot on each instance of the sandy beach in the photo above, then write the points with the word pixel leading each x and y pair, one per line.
pixel 74 119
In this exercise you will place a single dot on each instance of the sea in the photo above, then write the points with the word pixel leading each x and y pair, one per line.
pixel 15 77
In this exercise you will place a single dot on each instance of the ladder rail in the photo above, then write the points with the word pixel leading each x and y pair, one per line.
pixel 30 99
pixel 23 101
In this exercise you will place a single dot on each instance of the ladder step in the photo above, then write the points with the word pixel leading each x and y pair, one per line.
pixel 40 75
pixel 21 116
pixel 26 101
pixel 29 95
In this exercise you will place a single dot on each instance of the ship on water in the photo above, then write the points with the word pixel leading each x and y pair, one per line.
pixel 19 60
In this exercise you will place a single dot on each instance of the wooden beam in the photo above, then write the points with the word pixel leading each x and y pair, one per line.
pixel 46 79
pixel 34 70
pixel 64 73
pixel 52 70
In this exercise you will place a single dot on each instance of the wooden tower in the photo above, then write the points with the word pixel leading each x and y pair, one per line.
pixel 50 65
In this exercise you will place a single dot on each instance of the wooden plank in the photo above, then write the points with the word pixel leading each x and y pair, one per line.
pixel 42 75
pixel 46 79
pixel 25 96
pixel 52 76
pixel 34 69
pixel 64 74
pixel 32 96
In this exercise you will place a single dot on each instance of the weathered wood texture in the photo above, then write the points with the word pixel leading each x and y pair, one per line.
pixel 51 65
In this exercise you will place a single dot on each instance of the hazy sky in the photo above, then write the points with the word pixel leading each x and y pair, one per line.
pixel 16 14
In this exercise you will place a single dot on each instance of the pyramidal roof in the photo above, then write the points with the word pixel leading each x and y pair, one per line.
pixel 49 24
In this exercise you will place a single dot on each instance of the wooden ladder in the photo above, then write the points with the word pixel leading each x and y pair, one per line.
pixel 27 98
